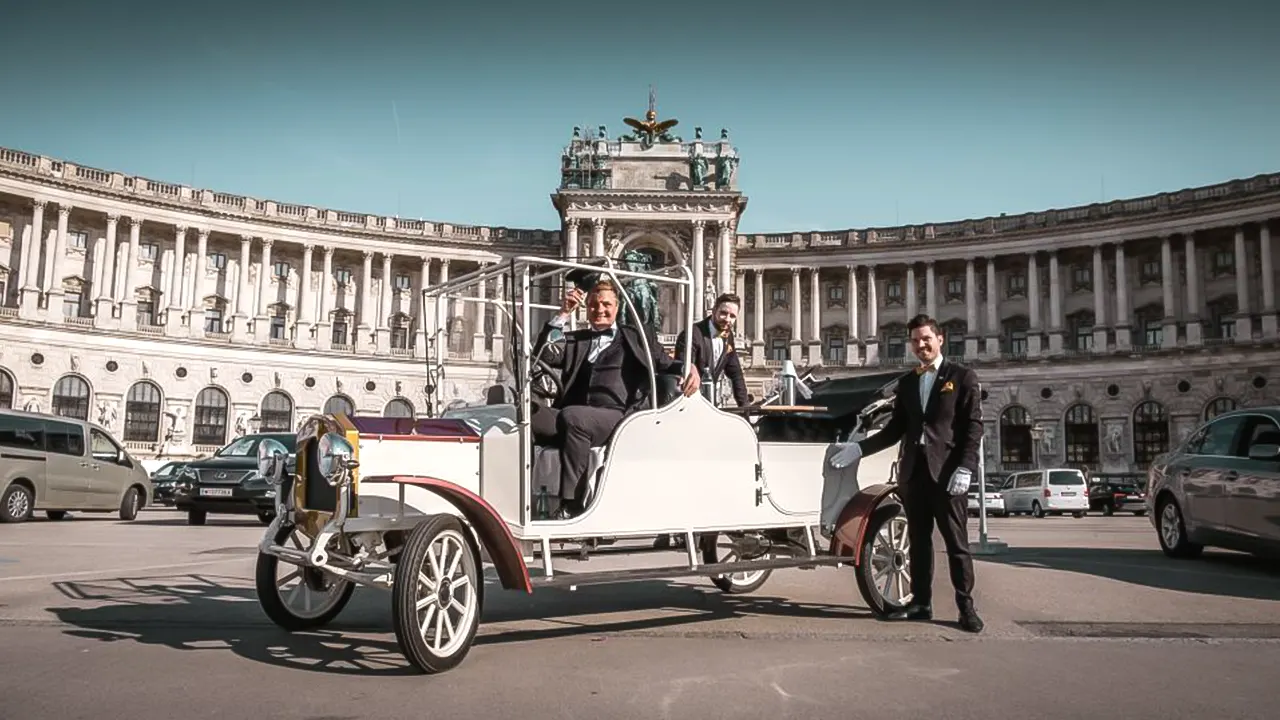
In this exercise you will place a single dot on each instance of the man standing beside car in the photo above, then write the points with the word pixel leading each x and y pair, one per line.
pixel 937 418
pixel 714 354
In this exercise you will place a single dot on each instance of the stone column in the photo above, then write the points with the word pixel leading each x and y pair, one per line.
pixel 199 283
pixel 871 338
pixel 762 306
pixel 1099 301
pixel 1036 325
pixel 55 270
pixel 597 237
pixel 262 325
pixel 912 293
pixel 126 290
pixel 244 293
pixel 570 247
pixel 1123 322
pixel 1244 321
pixel 815 316
pixel 930 290
pixel 478 351
pixel 852 349
pixel 105 290
pixel 699 269
pixel 993 333
pixel 177 284
pixel 382 334
pixel 1195 326
pixel 365 311
pixel 29 305
pixel 497 344
pixel 306 317
pixel 425 318
pixel 796 344
pixel 1055 304
pixel 740 289
pixel 443 329
pixel 1169 329
pixel 1268 283
pixel 724 257
pixel 324 324
pixel 971 333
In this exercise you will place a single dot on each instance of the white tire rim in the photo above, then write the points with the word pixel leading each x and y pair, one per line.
pixel 1170 525
pixel 445 598
pixel 891 561
pixel 306 592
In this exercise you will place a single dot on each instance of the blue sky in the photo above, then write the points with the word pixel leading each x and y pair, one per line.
pixel 847 114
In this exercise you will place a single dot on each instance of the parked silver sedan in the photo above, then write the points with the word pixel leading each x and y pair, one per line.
pixel 1221 487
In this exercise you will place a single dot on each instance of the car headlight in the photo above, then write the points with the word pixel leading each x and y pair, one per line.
pixel 335 457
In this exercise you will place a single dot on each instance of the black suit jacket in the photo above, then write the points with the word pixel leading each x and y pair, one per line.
pixel 572 353
pixel 729 365
pixel 950 428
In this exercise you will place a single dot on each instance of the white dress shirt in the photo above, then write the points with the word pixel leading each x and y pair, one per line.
pixel 926 382
pixel 599 343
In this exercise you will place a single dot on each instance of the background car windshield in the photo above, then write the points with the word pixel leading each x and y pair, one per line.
pixel 248 446
pixel 1066 477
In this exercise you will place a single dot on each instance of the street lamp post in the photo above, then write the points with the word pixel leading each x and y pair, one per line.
pixel 986 545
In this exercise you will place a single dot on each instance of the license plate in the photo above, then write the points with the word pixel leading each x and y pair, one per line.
pixel 215 492
pixel 1068 494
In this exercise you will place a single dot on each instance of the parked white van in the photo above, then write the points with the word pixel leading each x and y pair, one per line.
pixel 1051 491
pixel 58 464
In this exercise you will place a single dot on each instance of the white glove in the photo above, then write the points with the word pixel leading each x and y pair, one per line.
pixel 848 454
pixel 960 481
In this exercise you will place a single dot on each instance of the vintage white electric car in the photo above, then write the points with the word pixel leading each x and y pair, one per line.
pixel 417 505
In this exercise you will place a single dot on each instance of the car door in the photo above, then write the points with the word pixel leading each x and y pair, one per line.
pixel 1201 469
pixel 110 475
pixel 1252 505
pixel 67 470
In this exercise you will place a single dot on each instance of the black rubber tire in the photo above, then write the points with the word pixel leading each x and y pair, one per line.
pixel 5 498
pixel 131 503
pixel 1182 548
pixel 1036 510
pixel 264 582
pixel 404 593
pixel 711 556
pixel 865 572
pixel 266 517
pixel 55 515
pixel 197 517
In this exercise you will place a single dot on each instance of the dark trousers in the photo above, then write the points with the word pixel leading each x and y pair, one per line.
pixel 927 503
pixel 574 430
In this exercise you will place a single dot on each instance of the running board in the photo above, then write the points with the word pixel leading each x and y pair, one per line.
pixel 575 580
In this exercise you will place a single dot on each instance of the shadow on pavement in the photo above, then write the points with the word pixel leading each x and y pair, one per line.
pixel 1214 573
pixel 200 612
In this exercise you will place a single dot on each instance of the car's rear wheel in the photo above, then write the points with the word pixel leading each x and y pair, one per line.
pixel 55 514
pixel 884 568
pixel 1172 531
pixel 197 517
pixel 733 583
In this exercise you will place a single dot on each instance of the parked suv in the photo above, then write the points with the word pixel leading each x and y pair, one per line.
pixel 228 481
pixel 1113 495
pixel 59 464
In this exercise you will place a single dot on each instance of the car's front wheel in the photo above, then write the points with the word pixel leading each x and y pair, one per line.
pixel 1172 531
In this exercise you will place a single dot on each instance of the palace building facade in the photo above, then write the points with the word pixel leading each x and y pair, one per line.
pixel 181 317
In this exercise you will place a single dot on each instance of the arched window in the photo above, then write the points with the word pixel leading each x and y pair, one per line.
pixel 340 405
pixel 400 331
pixel 6 390
pixel 1080 430
pixel 210 427
pixel 142 413
pixel 1150 432
pixel 1015 438
pixel 276 413
pixel 398 408
pixel 71 397
pixel 1217 406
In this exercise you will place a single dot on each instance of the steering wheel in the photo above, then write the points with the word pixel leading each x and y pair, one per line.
pixel 544 380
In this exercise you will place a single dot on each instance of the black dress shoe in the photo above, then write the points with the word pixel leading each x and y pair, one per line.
pixel 912 612
pixel 970 622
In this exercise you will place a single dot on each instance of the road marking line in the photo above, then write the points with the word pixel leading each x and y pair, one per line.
pixel 148 568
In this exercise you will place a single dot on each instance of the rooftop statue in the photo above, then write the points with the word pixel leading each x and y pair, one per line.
pixel 649 130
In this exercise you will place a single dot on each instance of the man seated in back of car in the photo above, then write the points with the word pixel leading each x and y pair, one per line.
pixel 604 376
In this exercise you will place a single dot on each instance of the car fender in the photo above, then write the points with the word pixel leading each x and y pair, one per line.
pixel 851 524
pixel 492 530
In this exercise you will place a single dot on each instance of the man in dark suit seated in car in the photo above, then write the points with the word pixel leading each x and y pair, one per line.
pixel 604 376
pixel 714 354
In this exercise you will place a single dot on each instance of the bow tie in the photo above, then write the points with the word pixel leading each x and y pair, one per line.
pixel 924 369
pixel 607 332
pixel 724 335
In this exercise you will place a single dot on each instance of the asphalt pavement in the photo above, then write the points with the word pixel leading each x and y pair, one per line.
pixel 1085 618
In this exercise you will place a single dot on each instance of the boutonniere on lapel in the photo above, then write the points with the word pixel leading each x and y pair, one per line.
pixel 948 386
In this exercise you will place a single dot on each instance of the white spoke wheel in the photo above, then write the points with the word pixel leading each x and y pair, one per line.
pixel 884 570
pixel 745 581
pixel 294 597
pixel 435 601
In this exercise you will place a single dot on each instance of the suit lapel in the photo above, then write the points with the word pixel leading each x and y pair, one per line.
pixel 944 370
